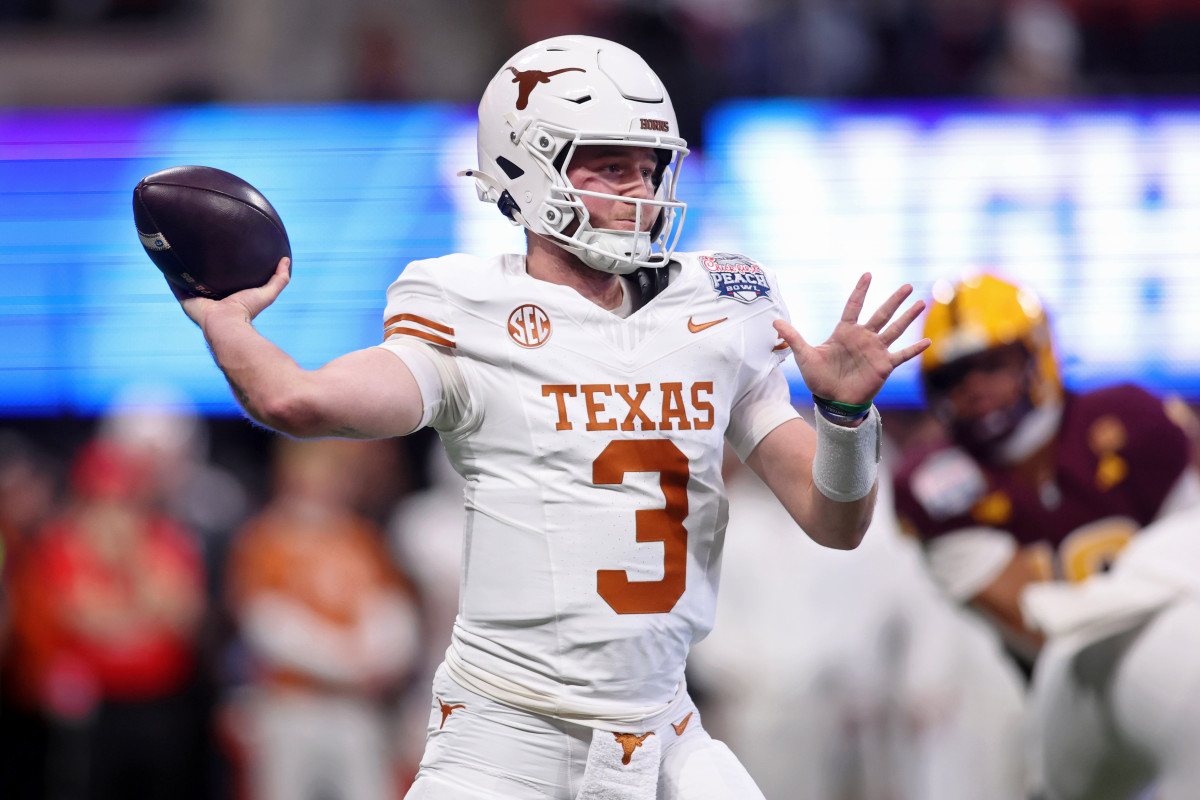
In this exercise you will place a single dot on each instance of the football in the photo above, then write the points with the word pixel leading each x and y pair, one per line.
pixel 208 231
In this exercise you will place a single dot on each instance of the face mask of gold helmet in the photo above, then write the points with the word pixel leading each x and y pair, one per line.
pixel 991 375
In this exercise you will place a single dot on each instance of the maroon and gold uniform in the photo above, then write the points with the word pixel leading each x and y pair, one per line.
pixel 1117 460
pixel 1072 521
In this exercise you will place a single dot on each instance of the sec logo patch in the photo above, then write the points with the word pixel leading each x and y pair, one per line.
pixel 529 326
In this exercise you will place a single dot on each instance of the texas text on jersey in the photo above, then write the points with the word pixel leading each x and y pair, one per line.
pixel 588 415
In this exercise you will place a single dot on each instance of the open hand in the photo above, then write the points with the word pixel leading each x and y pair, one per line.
pixel 248 302
pixel 854 362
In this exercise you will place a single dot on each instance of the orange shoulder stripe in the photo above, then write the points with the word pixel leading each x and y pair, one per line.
pixel 428 323
pixel 429 337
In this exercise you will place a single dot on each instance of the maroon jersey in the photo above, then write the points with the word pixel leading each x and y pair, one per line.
pixel 1117 456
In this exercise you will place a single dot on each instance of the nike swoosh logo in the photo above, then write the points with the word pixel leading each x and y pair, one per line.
pixel 682 726
pixel 696 328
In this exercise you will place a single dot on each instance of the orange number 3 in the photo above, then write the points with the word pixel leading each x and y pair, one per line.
pixel 653 525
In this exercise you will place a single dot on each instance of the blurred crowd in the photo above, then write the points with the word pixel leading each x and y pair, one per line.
pixel 146 51
pixel 168 630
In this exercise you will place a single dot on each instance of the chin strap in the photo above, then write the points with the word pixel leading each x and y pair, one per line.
pixel 609 251
pixel 1034 430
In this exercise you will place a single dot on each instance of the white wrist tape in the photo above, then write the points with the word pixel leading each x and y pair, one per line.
pixel 845 466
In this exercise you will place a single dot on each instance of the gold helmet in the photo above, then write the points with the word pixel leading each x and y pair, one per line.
pixel 980 314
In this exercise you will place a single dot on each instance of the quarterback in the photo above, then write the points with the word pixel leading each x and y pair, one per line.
pixel 585 390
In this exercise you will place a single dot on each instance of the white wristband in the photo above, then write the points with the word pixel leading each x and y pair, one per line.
pixel 845 466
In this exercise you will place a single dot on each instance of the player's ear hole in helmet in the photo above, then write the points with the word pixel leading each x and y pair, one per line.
pixel 983 325
pixel 554 97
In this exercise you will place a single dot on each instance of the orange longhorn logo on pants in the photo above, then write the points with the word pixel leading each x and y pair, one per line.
pixel 447 710
pixel 628 742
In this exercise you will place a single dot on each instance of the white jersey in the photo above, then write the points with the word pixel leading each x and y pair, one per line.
pixel 592 449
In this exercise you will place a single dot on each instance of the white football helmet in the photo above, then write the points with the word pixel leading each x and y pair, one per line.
pixel 549 99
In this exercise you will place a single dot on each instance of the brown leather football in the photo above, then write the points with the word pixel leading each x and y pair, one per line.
pixel 208 231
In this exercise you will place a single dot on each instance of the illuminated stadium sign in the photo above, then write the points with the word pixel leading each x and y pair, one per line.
pixel 1093 207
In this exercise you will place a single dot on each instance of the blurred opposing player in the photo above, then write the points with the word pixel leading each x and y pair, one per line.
pixel 839 674
pixel 585 392
pixel 1035 512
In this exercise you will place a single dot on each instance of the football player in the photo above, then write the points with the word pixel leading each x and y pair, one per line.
pixel 1028 511
pixel 904 693
pixel 585 390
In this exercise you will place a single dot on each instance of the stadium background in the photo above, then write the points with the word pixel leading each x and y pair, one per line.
pixel 1057 142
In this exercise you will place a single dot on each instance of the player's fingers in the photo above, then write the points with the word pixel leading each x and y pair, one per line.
pixel 283 274
pixel 180 294
pixel 897 328
pixel 192 305
pixel 257 299
pixel 195 307
pixel 790 335
pixel 854 304
pixel 271 289
pixel 913 350
pixel 888 308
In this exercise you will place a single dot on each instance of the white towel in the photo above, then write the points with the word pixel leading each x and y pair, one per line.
pixel 1166 551
pixel 621 766
pixel 1161 563
pixel 1108 601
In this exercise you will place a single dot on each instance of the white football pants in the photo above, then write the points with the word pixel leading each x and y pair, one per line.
pixel 486 750
pixel 1117 715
